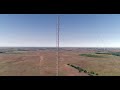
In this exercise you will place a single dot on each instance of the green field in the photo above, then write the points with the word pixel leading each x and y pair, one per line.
pixel 92 55
pixel 110 53
pixel 13 52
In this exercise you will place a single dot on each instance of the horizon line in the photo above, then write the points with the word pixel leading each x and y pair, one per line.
pixel 55 47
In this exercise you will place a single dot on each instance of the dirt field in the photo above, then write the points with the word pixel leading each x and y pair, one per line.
pixel 43 63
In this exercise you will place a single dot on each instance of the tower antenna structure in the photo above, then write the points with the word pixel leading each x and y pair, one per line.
pixel 57 44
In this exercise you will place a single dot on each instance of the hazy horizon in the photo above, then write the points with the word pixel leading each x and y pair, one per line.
pixel 50 47
pixel 76 30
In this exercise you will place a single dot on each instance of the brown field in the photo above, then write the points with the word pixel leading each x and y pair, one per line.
pixel 42 62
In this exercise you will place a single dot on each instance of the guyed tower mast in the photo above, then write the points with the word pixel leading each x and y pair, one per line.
pixel 57 44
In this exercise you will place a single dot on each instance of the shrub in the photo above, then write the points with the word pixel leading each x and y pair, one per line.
pixel 80 70
pixel 68 64
pixel 85 71
pixel 96 73
pixel 72 66
pixel 92 72
pixel 77 68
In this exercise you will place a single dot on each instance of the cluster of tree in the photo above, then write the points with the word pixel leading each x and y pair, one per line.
pixel 83 70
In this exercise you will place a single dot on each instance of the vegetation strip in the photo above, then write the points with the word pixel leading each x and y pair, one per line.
pixel 83 70
pixel 91 55
pixel 109 53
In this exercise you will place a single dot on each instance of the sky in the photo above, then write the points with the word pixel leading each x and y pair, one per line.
pixel 76 30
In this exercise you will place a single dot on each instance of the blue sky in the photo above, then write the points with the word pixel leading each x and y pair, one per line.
pixel 76 30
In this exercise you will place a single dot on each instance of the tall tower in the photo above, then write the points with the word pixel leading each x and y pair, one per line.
pixel 57 44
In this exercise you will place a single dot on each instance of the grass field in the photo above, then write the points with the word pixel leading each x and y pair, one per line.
pixel 92 55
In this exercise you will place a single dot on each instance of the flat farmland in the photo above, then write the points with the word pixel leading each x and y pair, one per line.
pixel 43 62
